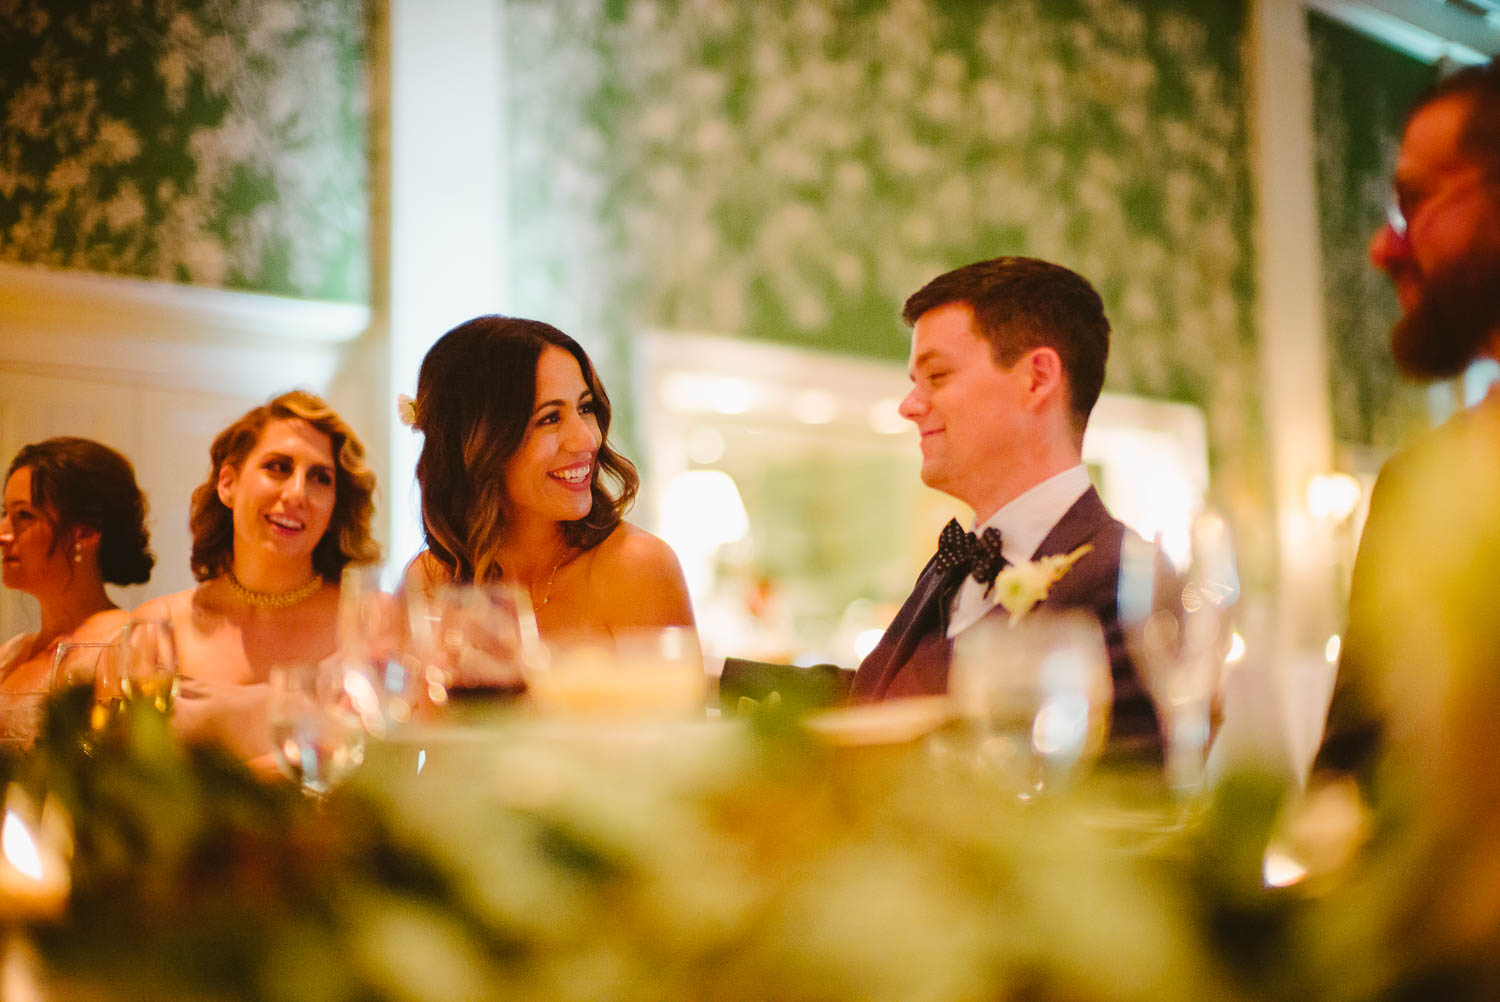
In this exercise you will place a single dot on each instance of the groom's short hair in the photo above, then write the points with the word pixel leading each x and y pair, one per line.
pixel 1021 303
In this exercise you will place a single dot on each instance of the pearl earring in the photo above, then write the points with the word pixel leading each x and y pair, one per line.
pixel 77 554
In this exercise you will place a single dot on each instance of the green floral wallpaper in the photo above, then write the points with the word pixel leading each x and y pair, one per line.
pixel 1362 90
pixel 791 171
pixel 216 142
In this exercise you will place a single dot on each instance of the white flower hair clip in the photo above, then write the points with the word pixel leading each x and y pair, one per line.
pixel 406 410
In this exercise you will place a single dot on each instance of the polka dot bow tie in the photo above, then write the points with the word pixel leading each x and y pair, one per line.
pixel 979 555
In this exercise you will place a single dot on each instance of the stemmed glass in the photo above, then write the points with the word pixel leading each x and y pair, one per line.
pixel 81 662
pixel 1032 697
pixel 93 664
pixel 317 736
pixel 373 640
pixel 1180 637
pixel 148 663
pixel 473 640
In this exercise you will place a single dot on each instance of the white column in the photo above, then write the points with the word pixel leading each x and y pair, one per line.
pixel 1293 345
pixel 445 260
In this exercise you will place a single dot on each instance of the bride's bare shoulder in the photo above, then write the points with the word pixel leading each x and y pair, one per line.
pixel 631 548
pixel 637 580
pixel 423 574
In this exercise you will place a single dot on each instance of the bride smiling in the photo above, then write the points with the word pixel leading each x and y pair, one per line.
pixel 520 483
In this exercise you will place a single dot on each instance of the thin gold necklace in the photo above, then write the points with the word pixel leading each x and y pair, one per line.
pixel 547 591
pixel 275 599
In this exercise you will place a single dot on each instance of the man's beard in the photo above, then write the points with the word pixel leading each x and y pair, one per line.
pixel 1458 314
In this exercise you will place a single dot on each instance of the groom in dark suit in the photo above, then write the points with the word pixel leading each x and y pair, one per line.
pixel 1007 361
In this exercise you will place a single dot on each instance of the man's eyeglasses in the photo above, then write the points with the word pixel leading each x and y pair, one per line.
pixel 1401 222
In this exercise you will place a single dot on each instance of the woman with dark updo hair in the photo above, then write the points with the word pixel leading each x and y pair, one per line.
pixel 520 483
pixel 74 520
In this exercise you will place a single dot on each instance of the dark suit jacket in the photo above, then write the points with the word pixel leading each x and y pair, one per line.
pixel 914 655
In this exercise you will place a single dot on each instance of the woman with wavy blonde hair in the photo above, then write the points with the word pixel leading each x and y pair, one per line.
pixel 519 483
pixel 285 508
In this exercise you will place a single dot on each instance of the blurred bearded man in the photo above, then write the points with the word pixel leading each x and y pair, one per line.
pixel 1424 610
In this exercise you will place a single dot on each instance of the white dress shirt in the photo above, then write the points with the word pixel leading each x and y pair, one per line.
pixel 1023 524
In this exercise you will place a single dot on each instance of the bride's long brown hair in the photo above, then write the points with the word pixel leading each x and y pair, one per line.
pixel 475 395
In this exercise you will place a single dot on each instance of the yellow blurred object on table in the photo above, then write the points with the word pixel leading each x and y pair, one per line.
pixel 639 672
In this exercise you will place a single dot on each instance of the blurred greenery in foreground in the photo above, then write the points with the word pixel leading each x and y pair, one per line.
pixel 691 861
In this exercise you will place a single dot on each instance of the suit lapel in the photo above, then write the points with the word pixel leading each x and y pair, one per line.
pixel 914 640
pixel 919 619
pixel 1078 525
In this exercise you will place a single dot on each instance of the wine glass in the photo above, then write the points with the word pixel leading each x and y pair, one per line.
pixel 473 640
pixel 1032 697
pixel 1180 636
pixel 317 736
pixel 373 639
pixel 80 662
pixel 148 663
pixel 93 664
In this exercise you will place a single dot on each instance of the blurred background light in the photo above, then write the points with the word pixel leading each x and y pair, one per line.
pixel 885 417
pixel 704 445
pixel 695 392
pixel 1332 496
pixel 815 407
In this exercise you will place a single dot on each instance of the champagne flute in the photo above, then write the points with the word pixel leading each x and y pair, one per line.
pixel 1033 698
pixel 317 736
pixel 148 663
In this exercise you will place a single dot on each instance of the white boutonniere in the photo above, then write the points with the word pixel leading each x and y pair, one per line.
pixel 1021 586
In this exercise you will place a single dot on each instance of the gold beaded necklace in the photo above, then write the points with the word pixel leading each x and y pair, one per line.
pixel 274 599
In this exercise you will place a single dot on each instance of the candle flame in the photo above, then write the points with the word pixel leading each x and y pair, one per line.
pixel 19 846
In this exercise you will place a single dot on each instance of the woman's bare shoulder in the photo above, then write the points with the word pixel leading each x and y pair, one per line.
pixel 101 626
pixel 14 649
pixel 632 549
pixel 424 573
pixel 636 580
pixel 171 606
pixel 193 609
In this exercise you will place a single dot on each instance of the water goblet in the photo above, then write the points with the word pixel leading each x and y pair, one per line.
pixel 148 663
pixel 1032 699
pixel 1180 637
pixel 317 737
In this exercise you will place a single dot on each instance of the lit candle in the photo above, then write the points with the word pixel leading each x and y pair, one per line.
pixel 34 878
